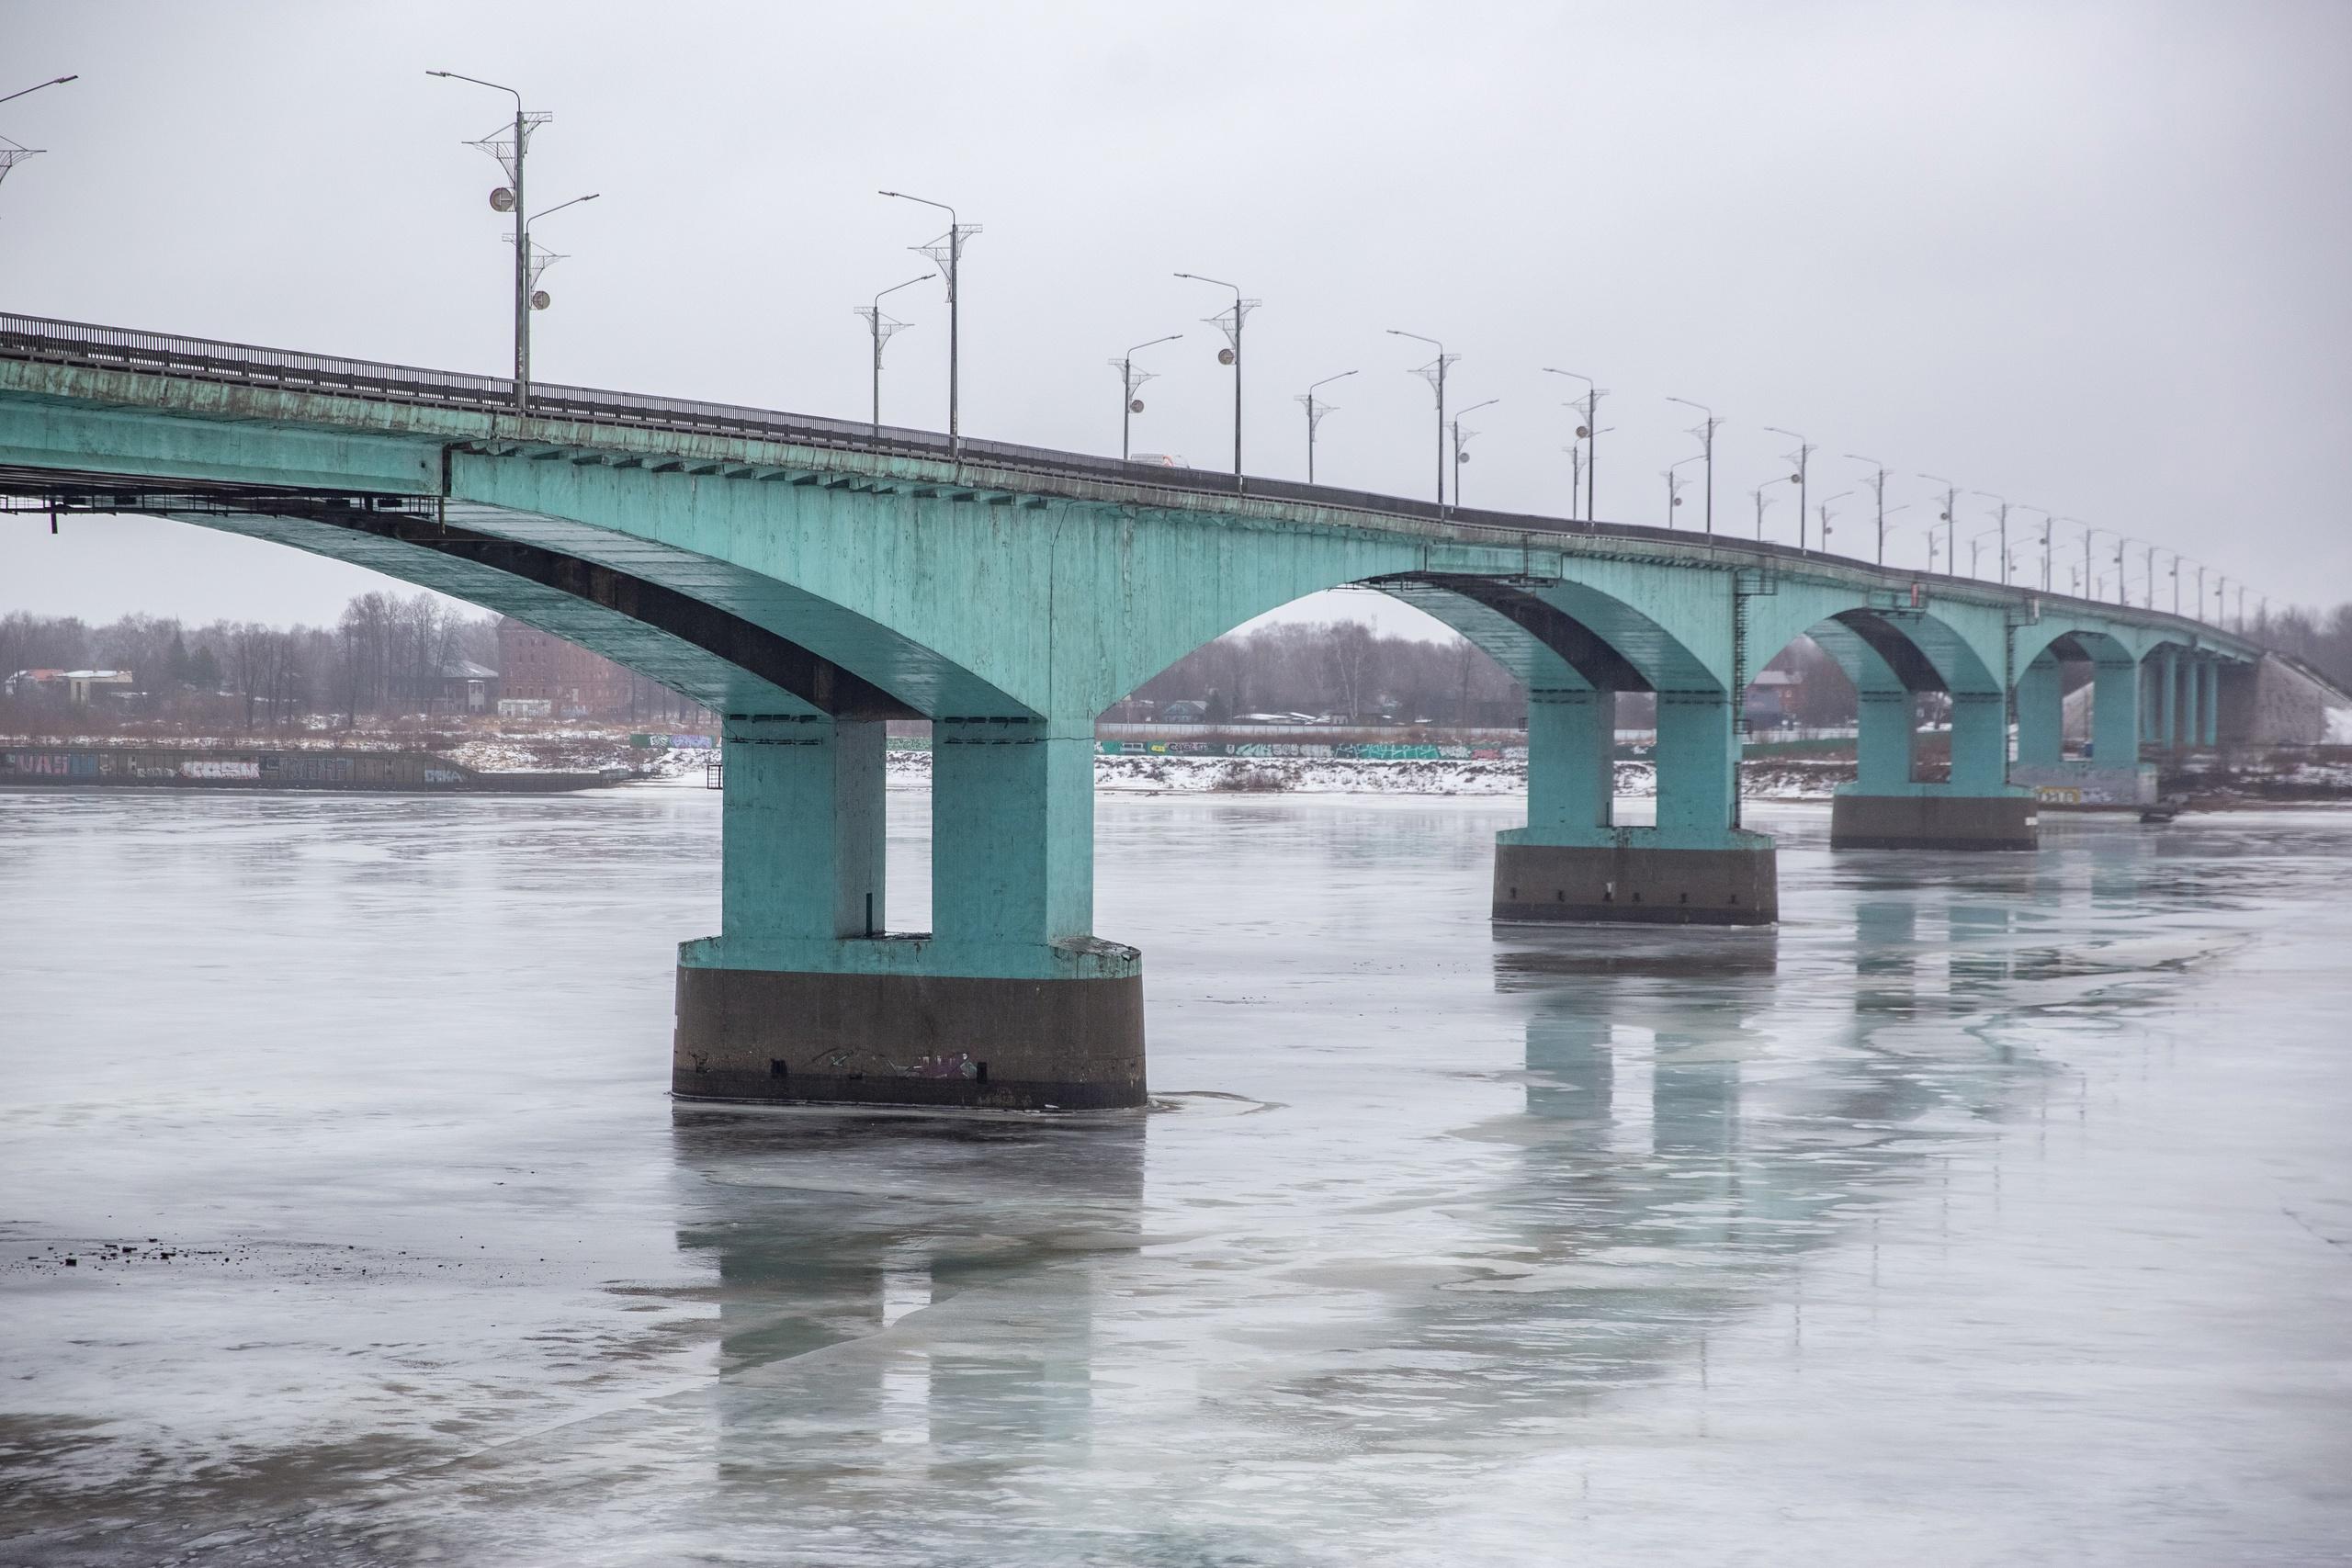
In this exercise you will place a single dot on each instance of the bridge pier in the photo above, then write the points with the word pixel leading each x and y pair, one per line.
pixel 1975 807
pixel 805 997
pixel 1573 863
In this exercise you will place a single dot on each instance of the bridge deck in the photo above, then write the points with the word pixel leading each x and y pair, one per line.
pixel 41 340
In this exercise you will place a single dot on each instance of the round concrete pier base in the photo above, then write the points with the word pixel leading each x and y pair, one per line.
pixel 1935 822
pixel 1737 885
pixel 816 1039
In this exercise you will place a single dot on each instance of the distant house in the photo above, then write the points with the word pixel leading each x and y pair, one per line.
pixel 465 687
pixel 1772 698
pixel 75 687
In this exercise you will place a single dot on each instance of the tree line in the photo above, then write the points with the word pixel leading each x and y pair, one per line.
pixel 1347 670
pixel 2322 638
pixel 385 655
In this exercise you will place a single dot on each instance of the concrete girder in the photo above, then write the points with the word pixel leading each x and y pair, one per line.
pixel 895 675
pixel 624 637
pixel 1500 638
pixel 1943 644
pixel 1594 661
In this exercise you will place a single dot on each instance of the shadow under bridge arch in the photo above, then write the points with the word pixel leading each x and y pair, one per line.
pixel 1893 657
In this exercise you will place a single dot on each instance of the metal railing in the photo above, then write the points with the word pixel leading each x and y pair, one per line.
pixel 43 340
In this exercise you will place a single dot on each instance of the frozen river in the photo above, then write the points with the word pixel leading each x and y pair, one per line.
pixel 1993 1210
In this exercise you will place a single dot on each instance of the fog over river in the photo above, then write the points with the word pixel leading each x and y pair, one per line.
pixel 1993 1210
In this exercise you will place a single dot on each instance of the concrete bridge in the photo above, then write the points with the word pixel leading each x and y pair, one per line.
pixel 810 579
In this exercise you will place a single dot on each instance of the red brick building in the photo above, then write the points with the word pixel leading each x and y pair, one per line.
pixel 542 676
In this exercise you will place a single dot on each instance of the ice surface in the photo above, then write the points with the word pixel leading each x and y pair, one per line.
pixel 1993 1210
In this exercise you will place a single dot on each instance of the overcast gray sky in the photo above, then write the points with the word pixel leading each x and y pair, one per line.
pixel 2091 256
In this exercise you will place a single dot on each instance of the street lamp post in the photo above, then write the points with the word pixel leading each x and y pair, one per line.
pixel 1434 374
pixel 1706 434
pixel 1460 456
pixel 1588 431
pixel 1241 308
pixel 1822 511
pixel 2123 577
pixel 2003 528
pixel 511 199
pixel 12 153
pixel 947 254
pixel 1801 457
pixel 1131 381
pixel 2200 589
pixel 1976 549
pixel 883 330
pixel 1315 411
pixel 2045 544
pixel 1672 475
pixel 1878 489
pixel 1951 509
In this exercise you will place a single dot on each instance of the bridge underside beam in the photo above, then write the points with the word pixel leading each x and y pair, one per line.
pixel 402 536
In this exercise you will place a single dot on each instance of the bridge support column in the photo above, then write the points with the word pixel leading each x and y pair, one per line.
pixel 1010 1001
pixel 1974 808
pixel 2115 713
pixel 1885 742
pixel 2208 673
pixel 1571 863
pixel 2169 678
pixel 2042 714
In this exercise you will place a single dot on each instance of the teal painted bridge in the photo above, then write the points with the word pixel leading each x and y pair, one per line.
pixel 811 578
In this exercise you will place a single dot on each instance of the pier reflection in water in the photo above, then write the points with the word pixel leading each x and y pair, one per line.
pixel 2001 1205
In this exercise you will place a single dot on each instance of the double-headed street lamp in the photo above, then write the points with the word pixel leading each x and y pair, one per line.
pixel 1761 503
pixel 1434 374
pixel 1705 432
pixel 883 329
pixel 1131 381
pixel 1316 409
pixel 512 156
pixel 1588 430
pixel 13 153
pixel 1460 456
pixel 1230 321
pixel 947 254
